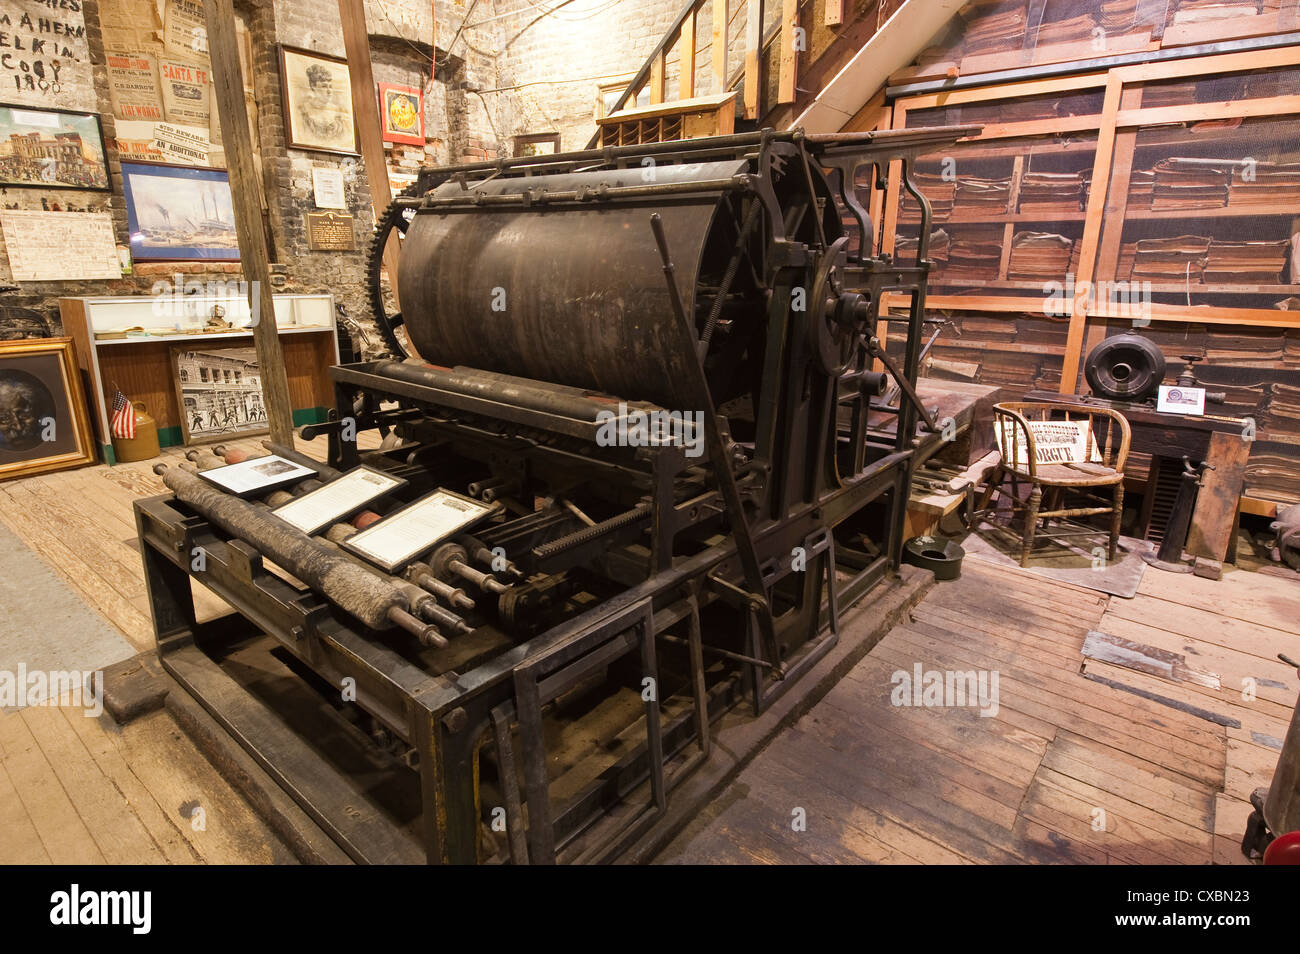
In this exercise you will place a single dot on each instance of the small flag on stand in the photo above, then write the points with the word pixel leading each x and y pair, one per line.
pixel 123 420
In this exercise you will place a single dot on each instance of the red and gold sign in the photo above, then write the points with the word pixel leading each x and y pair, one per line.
pixel 402 111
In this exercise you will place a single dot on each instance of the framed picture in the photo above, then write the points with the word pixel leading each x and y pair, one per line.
pixel 537 144
pixel 218 392
pixel 258 475
pixel 401 111
pixel 317 94
pixel 52 149
pixel 179 213
pixel 44 423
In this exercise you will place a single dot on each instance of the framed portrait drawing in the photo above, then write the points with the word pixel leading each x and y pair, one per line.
pixel 401 111
pixel 317 100
pixel 44 422
pixel 179 213
pixel 218 392
pixel 52 149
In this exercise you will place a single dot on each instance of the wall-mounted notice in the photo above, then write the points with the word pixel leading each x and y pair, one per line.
pixel 184 92
pixel 185 28
pixel 60 246
pixel 327 186
pixel 133 83
pixel 131 26
pixel 187 146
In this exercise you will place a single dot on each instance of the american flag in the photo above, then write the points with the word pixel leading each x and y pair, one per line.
pixel 123 422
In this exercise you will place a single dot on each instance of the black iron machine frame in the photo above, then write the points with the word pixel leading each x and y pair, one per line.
pixel 659 366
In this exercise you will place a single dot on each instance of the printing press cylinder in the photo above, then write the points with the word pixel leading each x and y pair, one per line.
pixel 573 292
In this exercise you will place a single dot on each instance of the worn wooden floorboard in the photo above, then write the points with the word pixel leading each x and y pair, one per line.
pixel 1067 769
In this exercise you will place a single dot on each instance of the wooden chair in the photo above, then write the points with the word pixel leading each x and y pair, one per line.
pixel 1109 435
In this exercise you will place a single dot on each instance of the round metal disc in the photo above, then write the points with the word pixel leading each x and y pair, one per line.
pixel 1125 367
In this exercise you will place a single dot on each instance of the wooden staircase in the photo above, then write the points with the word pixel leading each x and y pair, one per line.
pixel 785 71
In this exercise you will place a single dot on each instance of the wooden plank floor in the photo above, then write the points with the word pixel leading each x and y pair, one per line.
pixel 82 523
pixel 1068 769
pixel 80 790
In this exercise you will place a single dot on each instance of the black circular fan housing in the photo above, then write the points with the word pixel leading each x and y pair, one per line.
pixel 1125 367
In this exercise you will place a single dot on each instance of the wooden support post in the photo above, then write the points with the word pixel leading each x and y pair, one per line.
pixel 720 46
pixel 246 192
pixel 365 110
pixel 753 57
pixel 789 59
pixel 686 55
pixel 1092 220
pixel 658 70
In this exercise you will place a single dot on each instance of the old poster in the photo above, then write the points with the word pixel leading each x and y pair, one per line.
pixel 133 84
pixel 187 145
pixel 185 93
pixel 60 246
pixel 46 59
pixel 135 141
pixel 185 29
pixel 130 26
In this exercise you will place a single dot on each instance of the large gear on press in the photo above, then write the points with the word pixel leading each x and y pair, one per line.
pixel 394 217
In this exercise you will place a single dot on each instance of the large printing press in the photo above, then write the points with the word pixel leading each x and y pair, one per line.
pixel 633 471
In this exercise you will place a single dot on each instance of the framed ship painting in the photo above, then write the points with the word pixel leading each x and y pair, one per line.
pixel 179 213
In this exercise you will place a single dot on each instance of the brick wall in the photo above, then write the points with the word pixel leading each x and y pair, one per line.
pixel 501 69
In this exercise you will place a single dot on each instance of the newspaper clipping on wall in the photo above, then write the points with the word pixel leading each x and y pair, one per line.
pixel 133 84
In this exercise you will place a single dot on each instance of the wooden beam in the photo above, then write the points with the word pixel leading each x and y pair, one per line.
pixel 789 60
pixel 1092 220
pixel 719 45
pixel 753 57
pixel 1200 112
pixel 834 12
pixel 365 110
pixel 686 56
pixel 246 191
pixel 657 73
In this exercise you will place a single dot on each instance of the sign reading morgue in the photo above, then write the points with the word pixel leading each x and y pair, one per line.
pixel 46 59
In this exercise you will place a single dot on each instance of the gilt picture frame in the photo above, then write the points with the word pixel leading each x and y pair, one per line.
pixel 44 419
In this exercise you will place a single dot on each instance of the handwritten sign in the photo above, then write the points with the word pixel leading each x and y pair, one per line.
pixel 60 246
pixel 44 54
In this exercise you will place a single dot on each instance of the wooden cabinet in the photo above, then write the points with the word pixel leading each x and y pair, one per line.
pixel 139 361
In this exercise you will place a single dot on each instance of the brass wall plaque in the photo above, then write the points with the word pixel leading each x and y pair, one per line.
pixel 330 232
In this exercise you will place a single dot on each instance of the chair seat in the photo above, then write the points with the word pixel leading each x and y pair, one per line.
pixel 1081 474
